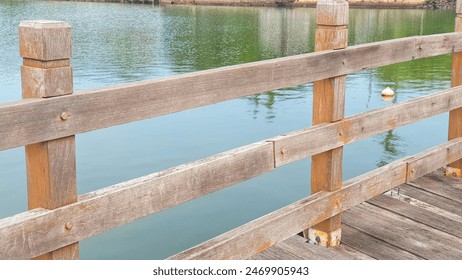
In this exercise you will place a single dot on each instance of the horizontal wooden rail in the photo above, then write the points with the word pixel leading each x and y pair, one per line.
pixel 32 121
pixel 260 234
pixel 39 231
pixel 310 141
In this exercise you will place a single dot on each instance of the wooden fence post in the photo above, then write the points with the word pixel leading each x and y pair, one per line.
pixel 329 106
pixel 46 73
pixel 455 116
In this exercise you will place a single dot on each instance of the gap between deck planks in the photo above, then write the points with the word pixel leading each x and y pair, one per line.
pixel 410 222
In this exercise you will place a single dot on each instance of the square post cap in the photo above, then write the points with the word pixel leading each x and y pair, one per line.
pixel 332 12
pixel 45 40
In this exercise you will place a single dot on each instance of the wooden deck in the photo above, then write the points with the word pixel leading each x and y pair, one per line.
pixel 418 220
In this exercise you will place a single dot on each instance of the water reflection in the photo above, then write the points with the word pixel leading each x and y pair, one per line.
pixel 393 146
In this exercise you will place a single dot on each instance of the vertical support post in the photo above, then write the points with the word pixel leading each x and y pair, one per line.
pixel 51 166
pixel 328 106
pixel 455 116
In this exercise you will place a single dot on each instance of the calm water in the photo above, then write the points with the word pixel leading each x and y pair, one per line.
pixel 114 43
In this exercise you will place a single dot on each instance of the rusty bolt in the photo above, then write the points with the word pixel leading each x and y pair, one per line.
pixel 413 170
pixel 68 225
pixel 283 150
pixel 318 239
pixel 64 116
pixel 340 133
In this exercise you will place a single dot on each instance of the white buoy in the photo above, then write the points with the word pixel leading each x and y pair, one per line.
pixel 388 92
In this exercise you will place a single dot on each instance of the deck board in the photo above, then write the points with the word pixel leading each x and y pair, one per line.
pixel 373 246
pixel 419 220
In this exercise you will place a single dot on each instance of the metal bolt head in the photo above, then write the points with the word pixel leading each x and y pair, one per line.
pixel 68 225
pixel 64 116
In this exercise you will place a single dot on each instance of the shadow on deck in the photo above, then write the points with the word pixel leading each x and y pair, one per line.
pixel 418 220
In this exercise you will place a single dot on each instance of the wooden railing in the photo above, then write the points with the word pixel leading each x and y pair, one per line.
pixel 50 115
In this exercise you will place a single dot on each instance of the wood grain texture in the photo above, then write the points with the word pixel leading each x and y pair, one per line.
pixel 49 82
pixel 51 173
pixel 310 141
pixel 417 214
pixel 332 12
pixel 31 234
pixel 418 239
pixel 45 39
pixel 296 247
pixel 110 106
pixel 427 197
pixel 372 246
pixel 441 189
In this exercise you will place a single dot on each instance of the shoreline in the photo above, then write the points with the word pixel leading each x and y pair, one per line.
pixel 371 4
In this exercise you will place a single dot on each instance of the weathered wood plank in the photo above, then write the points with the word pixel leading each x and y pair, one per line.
pixel 27 236
pixel 262 233
pixel 372 246
pixel 396 194
pixel 275 253
pixel 309 141
pixel 110 106
pixel 329 106
pixel 439 176
pixel 435 200
pixel 430 185
pixel 433 158
pixel 417 214
pixel 298 246
pixel 418 239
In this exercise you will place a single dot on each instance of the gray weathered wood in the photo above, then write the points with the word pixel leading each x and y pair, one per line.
pixel 307 142
pixel 28 235
pixel 440 188
pixel 427 197
pixel 417 214
pixel 372 246
pixel 418 239
pixel 439 176
pixel 298 246
pixel 275 253
pixel 95 109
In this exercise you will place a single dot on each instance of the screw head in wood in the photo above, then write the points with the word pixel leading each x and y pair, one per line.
pixel 64 116
pixel 68 226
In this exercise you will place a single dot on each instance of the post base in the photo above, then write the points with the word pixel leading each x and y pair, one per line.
pixel 453 172
pixel 322 238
